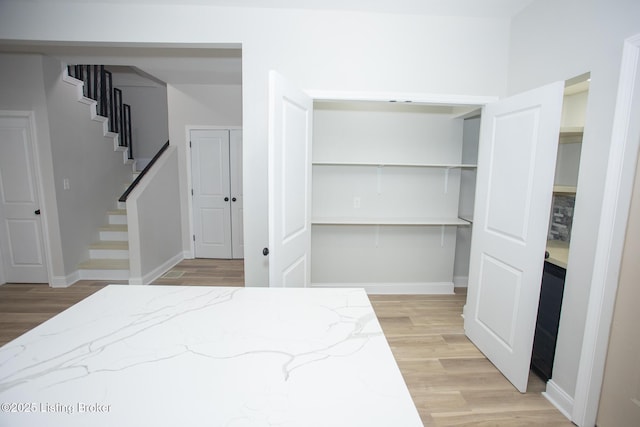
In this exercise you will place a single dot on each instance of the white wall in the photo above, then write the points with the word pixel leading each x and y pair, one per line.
pixel 193 106
pixel 326 50
pixel 574 109
pixel 22 88
pixel 578 37
pixel 97 174
pixel 153 215
pixel 149 121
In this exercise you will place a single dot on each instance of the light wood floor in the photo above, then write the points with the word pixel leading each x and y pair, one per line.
pixel 451 382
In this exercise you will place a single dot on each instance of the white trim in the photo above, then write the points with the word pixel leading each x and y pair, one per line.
pixel 133 235
pixel 559 398
pixel 44 224
pixel 417 288
pixel 158 271
pixel 613 222
pixel 64 281
pixel 413 97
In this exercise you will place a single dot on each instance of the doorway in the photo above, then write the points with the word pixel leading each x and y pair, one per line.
pixel 560 224
pixel 21 238
pixel 216 176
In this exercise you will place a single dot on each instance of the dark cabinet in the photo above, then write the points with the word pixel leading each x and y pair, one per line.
pixel 544 341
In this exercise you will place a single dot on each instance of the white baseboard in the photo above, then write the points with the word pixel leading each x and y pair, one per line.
pixel 559 398
pixel 65 281
pixel 420 288
pixel 158 271
pixel 59 282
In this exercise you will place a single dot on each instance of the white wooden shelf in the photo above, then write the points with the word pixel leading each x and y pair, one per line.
pixel 565 189
pixel 388 221
pixel 394 164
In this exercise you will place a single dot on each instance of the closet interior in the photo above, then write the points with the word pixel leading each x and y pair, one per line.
pixel 392 197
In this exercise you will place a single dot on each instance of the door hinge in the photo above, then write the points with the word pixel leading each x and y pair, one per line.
pixel 189 144
pixel 192 191
pixel 194 237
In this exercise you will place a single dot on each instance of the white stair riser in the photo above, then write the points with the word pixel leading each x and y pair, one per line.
pixel 108 254
pixel 122 205
pixel 114 236
pixel 117 219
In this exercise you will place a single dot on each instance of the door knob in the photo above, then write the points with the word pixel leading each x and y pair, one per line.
pixel 265 251
pixel 226 199
pixel 233 199
pixel 37 212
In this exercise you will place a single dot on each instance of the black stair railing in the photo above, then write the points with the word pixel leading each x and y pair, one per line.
pixel 135 182
pixel 98 85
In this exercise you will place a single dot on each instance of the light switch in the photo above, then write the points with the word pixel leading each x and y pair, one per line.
pixel 65 183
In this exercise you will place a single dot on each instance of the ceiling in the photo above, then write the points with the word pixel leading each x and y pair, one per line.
pixel 478 8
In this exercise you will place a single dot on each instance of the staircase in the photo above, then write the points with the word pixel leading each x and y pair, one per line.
pixel 109 256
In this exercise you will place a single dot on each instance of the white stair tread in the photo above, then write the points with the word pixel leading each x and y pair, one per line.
pixel 104 264
pixel 117 212
pixel 110 244
pixel 114 227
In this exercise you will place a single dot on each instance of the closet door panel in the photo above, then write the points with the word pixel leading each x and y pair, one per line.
pixel 211 186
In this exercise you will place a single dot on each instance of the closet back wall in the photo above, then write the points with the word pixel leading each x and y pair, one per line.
pixel 374 163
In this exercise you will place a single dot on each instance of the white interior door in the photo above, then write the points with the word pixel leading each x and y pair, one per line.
pixel 290 125
pixel 237 209
pixel 516 163
pixel 211 193
pixel 21 244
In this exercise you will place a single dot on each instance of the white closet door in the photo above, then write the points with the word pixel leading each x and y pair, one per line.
pixel 21 244
pixel 516 163
pixel 290 125
pixel 237 210
pixel 211 193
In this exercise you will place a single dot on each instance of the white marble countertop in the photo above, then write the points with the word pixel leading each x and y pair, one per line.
pixel 206 356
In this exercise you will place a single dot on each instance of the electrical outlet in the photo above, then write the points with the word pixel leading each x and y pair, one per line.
pixel 356 202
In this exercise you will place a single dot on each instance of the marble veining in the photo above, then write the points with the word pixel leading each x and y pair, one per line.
pixel 179 355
